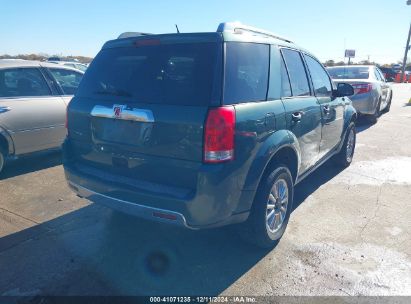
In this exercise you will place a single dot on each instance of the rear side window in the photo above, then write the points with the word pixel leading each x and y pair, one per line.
pixel 296 70
pixel 285 81
pixel 319 77
pixel 382 77
pixel 23 82
pixel 67 79
pixel 246 74
pixel 377 76
pixel 178 74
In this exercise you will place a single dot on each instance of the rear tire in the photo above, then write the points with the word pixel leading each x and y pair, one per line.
pixel 271 209
pixel 388 107
pixel 2 159
pixel 374 117
pixel 345 156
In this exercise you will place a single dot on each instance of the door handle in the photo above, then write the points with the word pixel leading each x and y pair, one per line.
pixel 326 109
pixel 296 116
pixel 4 109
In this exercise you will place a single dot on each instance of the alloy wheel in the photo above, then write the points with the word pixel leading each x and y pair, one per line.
pixel 277 205
pixel 1 161
pixel 350 145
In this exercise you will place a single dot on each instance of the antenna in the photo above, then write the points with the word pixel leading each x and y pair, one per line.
pixel 178 31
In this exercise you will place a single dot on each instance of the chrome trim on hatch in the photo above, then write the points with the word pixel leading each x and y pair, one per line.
pixel 129 207
pixel 126 113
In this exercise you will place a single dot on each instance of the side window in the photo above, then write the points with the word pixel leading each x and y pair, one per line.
pixel 381 74
pixel 246 75
pixel 321 81
pixel 67 79
pixel 296 70
pixel 23 82
pixel 377 76
pixel 285 81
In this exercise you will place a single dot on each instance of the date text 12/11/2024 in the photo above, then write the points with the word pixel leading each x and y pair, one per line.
pixel 203 299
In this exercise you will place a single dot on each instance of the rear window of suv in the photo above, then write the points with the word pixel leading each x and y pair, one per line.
pixel 178 74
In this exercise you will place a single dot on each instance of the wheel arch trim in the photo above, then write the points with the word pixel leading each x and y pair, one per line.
pixel 6 135
pixel 277 141
pixel 351 115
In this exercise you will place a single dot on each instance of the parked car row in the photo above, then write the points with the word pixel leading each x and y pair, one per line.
pixel 76 65
pixel 389 73
pixel 199 130
pixel 394 74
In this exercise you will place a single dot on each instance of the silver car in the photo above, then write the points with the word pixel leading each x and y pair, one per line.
pixel 76 65
pixel 33 100
pixel 372 94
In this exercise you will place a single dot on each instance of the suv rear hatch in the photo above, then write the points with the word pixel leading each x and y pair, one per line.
pixel 140 109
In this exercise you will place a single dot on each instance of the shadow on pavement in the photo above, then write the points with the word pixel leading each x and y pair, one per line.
pixel 94 250
pixel 315 180
pixel 30 164
pixel 121 255
pixel 362 124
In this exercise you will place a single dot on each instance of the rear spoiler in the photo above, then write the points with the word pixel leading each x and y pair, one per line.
pixel 132 34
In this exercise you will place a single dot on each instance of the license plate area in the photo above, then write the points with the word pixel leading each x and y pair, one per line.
pixel 125 132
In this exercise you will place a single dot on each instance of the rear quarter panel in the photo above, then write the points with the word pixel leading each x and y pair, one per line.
pixel 261 131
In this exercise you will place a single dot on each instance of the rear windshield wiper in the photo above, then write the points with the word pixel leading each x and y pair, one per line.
pixel 113 92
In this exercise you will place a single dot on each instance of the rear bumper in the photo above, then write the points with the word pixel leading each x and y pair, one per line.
pixel 364 103
pixel 216 201
pixel 141 211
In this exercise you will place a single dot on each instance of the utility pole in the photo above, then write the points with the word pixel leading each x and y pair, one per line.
pixel 404 62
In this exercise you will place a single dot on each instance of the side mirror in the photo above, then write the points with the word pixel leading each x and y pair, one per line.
pixel 344 89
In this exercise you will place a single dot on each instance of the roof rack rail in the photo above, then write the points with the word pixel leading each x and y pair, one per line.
pixel 132 34
pixel 239 28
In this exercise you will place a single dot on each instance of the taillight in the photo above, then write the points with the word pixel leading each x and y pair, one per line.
pixel 360 88
pixel 219 135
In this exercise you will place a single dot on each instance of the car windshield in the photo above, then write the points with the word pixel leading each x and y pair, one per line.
pixel 351 72
pixel 162 74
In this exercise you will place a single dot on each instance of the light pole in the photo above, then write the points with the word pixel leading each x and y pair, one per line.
pixel 404 62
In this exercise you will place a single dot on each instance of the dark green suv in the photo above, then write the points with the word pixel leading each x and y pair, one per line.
pixel 205 129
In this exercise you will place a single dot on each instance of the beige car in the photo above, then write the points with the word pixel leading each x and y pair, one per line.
pixel 33 100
